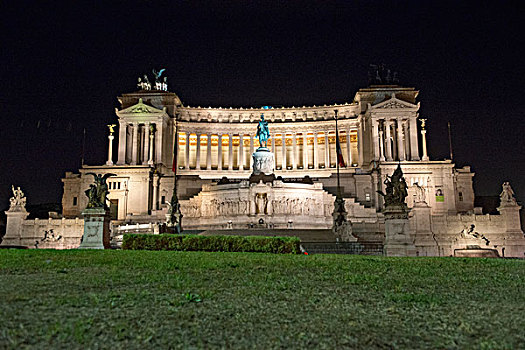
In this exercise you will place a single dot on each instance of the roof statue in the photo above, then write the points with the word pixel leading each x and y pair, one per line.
pixel 381 74
pixel 263 133
pixel 158 74
pixel 97 192
pixel 144 84
pixel 160 84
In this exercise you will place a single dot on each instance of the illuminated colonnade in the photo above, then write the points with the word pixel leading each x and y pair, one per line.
pixel 293 150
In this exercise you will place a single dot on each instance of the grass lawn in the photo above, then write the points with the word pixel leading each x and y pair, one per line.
pixel 158 299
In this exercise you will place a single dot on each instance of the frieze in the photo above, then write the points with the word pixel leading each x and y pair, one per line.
pixel 247 129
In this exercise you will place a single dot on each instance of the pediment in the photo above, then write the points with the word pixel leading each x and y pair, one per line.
pixel 140 108
pixel 395 103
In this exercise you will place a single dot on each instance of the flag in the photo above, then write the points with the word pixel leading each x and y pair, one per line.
pixel 339 152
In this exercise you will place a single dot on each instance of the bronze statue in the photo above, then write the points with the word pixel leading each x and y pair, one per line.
pixel 396 189
pixel 97 192
pixel 263 134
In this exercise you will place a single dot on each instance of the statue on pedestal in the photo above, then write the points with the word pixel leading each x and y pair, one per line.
pixel 263 159
pixel 399 238
pixel 96 214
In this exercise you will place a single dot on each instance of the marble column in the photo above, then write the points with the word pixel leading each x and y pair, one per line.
pixel 381 146
pixel 241 152
pixel 348 149
pixel 375 139
pixel 305 150
pixel 294 150
pixel 143 154
pixel 326 151
pixel 135 146
pixel 208 152
pixel 219 153
pixel 145 157
pixel 400 145
pixel 406 139
pixel 414 147
pixel 121 142
pixel 110 149
pixel 151 133
pixel 424 140
pixel 316 156
pixel 283 167
pixel 230 152
pixel 154 203
pixel 251 151
pixel 360 150
pixel 273 145
pixel 159 137
pixel 187 156
pixel 198 155
pixel 388 140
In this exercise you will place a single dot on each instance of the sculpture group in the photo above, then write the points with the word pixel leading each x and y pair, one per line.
pixel 396 189
pixel 98 192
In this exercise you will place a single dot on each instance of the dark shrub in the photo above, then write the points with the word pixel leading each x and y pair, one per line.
pixel 280 245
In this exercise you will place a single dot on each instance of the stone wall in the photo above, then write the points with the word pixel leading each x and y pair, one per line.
pixel 49 233
pixel 440 235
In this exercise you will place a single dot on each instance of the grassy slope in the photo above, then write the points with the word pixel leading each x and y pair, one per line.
pixel 131 299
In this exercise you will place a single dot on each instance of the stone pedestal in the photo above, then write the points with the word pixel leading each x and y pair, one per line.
pixel 514 242
pixel 96 229
pixel 399 240
pixel 13 233
pixel 424 239
pixel 263 161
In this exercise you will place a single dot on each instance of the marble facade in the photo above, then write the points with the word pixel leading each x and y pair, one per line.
pixel 378 130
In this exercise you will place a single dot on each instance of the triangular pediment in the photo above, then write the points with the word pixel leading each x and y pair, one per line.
pixel 394 103
pixel 141 108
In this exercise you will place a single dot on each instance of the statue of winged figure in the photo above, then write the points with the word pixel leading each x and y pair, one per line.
pixel 97 192
pixel 111 128
pixel 158 74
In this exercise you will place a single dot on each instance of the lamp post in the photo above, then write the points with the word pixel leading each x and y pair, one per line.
pixel 341 228
pixel 174 216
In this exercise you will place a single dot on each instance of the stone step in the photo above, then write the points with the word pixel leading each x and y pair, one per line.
pixel 360 248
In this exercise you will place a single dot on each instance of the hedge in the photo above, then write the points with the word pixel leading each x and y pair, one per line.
pixel 261 244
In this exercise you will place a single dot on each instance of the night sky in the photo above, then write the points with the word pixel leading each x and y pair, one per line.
pixel 64 64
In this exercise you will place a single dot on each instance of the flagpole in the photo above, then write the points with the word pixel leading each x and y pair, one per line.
pixel 337 155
